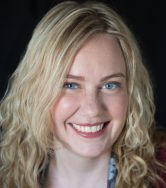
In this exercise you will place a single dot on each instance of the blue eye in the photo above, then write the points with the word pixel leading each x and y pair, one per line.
pixel 111 86
pixel 70 86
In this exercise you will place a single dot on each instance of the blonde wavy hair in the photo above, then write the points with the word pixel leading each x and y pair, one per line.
pixel 25 122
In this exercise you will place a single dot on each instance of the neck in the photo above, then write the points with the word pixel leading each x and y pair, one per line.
pixel 68 169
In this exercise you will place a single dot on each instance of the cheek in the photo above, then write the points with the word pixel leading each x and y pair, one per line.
pixel 118 111
pixel 63 108
pixel 117 106
pixel 122 106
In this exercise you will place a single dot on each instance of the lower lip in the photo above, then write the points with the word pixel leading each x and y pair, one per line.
pixel 90 135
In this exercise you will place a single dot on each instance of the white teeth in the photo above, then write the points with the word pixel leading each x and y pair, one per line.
pixel 88 129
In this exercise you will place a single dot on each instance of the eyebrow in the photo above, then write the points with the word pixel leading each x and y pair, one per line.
pixel 113 76
pixel 81 78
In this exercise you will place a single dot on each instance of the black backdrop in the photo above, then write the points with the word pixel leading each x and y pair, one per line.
pixel 147 19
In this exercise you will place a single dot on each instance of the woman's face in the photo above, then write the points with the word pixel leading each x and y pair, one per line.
pixel 91 112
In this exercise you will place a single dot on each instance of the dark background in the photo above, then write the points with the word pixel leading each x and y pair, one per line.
pixel 146 18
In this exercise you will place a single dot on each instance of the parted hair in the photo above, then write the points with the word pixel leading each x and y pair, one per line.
pixel 26 136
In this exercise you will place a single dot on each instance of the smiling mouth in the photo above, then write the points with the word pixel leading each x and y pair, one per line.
pixel 89 128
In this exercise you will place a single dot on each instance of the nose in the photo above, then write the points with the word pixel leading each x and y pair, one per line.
pixel 92 105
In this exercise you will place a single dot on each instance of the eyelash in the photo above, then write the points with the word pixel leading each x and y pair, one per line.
pixel 73 86
pixel 68 85
pixel 114 85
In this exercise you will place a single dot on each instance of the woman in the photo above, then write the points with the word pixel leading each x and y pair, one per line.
pixel 79 110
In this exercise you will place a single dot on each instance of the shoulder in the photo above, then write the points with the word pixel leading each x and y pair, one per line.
pixel 161 153
pixel 160 142
pixel 161 156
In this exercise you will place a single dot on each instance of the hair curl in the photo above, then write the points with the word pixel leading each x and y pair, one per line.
pixel 25 122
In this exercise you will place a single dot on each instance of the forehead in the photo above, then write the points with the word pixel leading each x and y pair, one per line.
pixel 101 55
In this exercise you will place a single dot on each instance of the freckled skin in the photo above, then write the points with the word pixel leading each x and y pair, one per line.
pixel 91 100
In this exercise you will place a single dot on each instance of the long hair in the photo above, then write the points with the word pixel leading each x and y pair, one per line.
pixel 25 121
